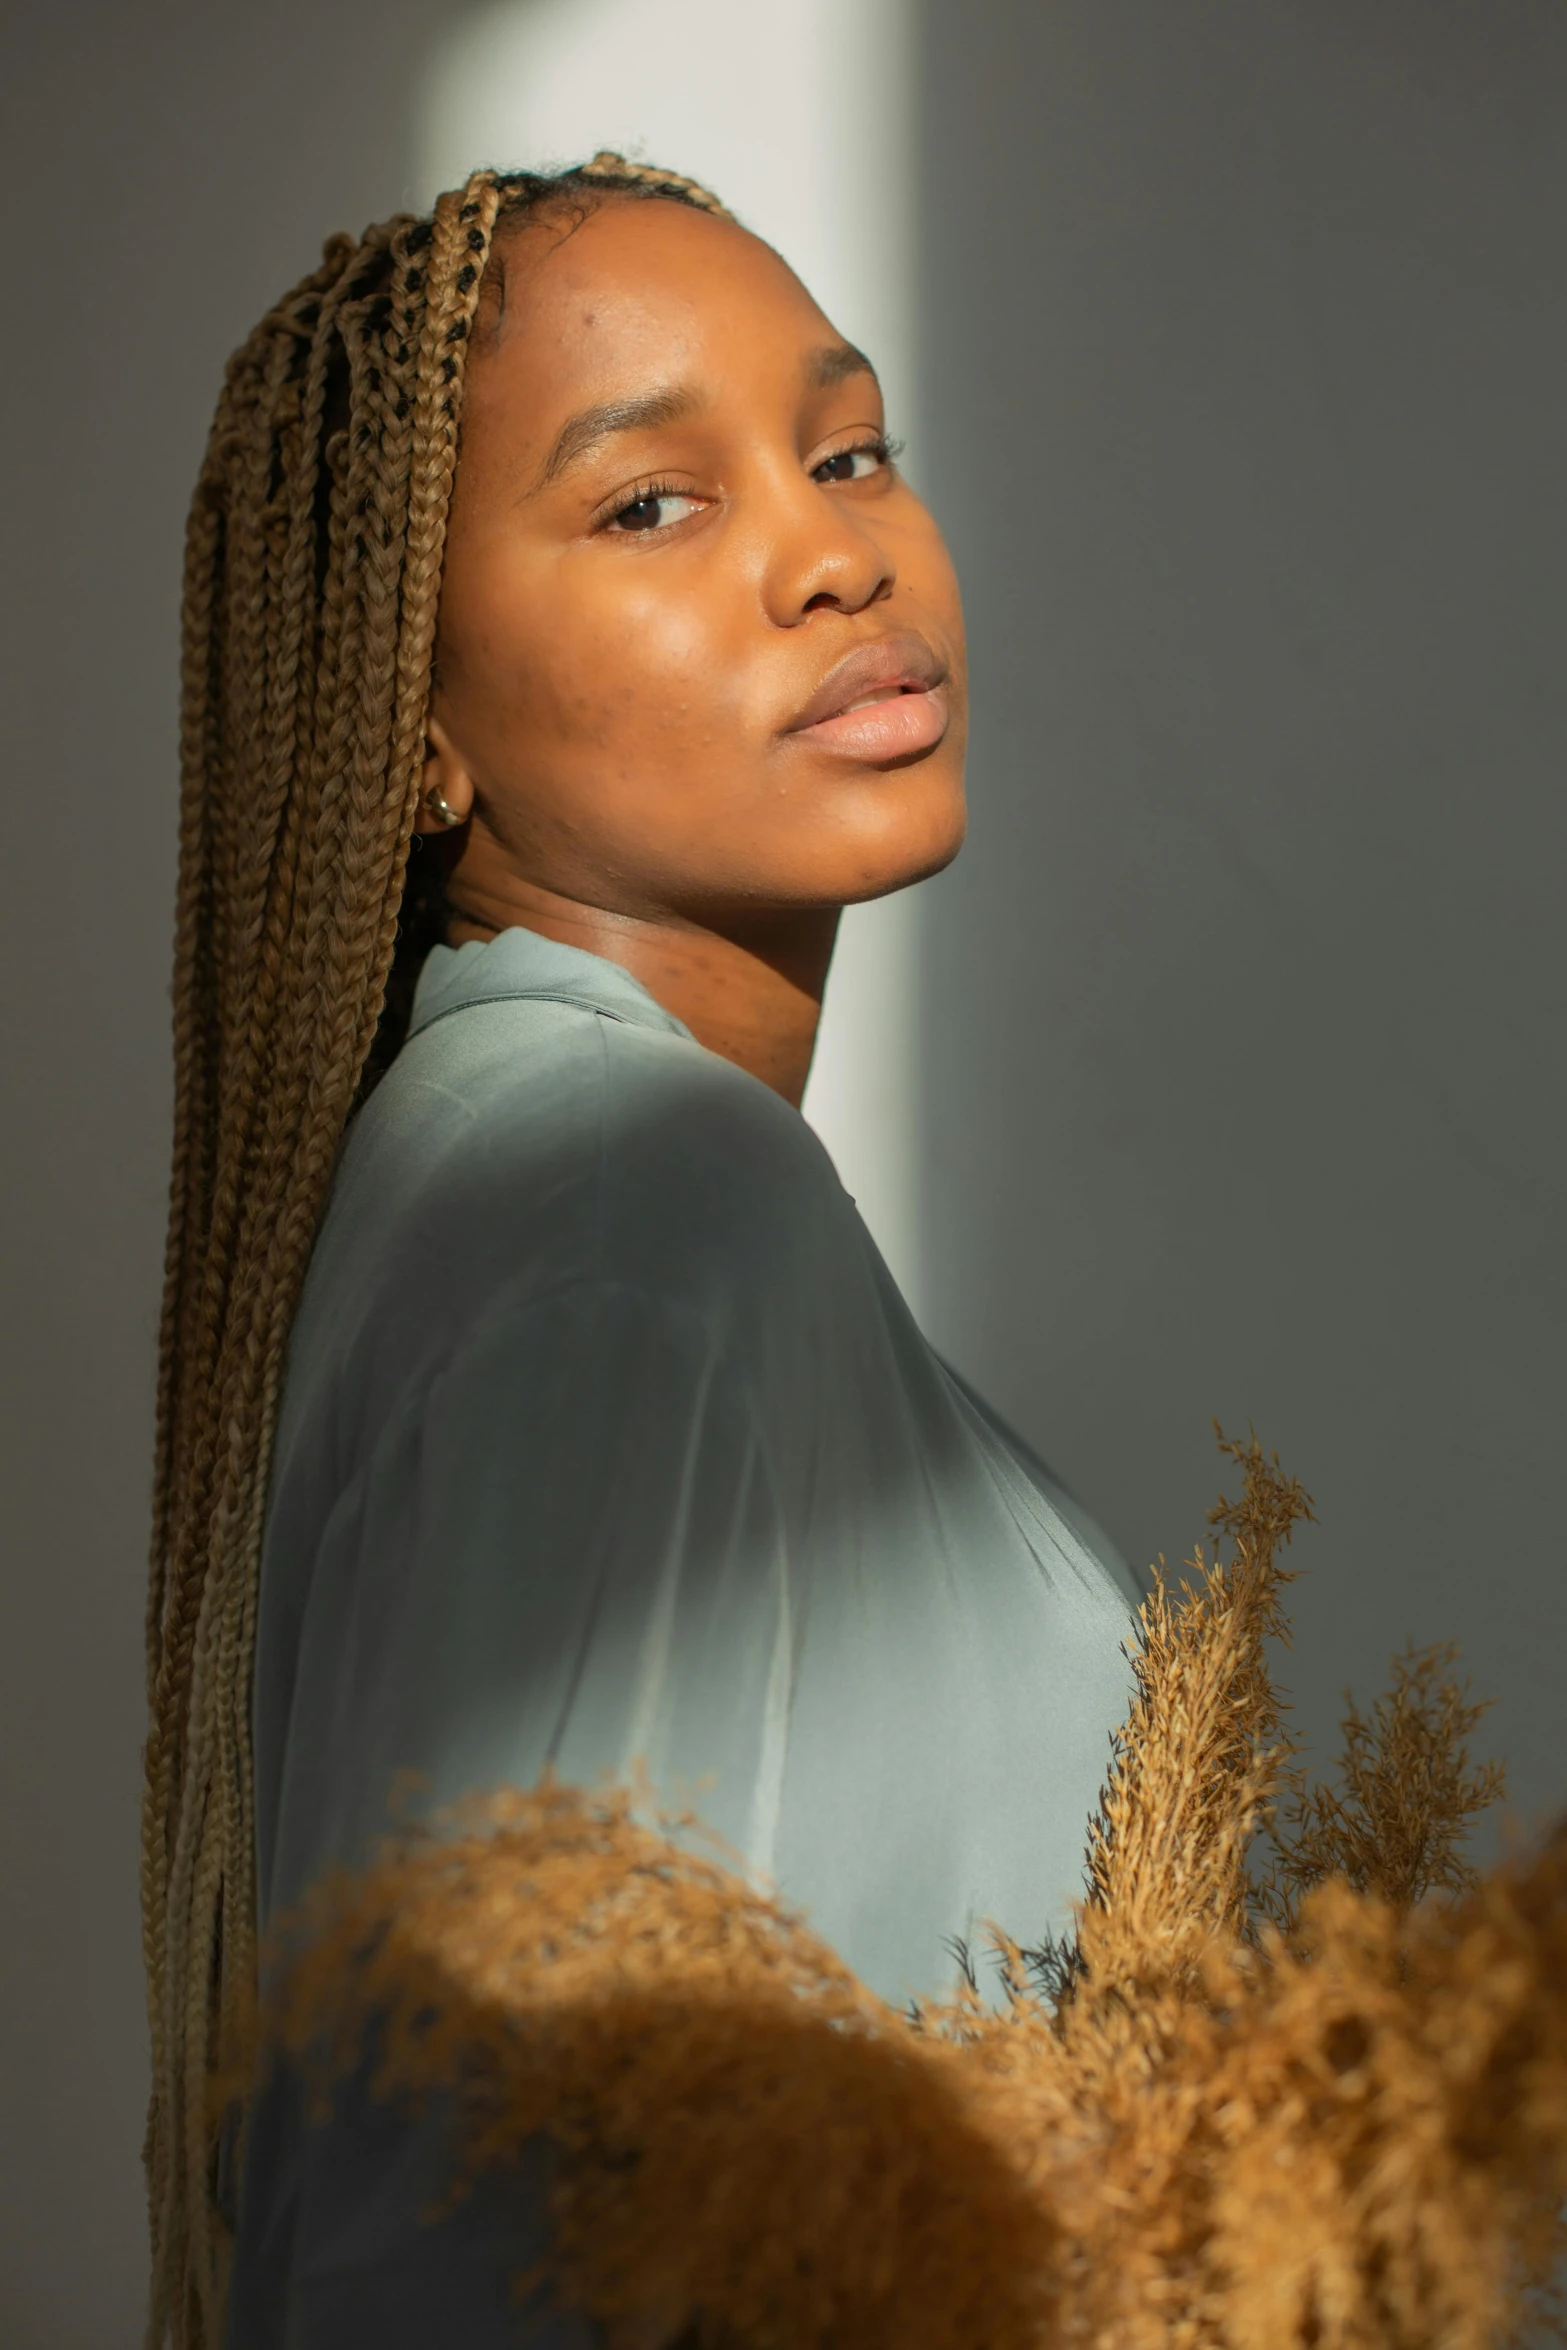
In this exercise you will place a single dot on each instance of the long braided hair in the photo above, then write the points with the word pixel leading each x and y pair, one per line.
pixel 312 577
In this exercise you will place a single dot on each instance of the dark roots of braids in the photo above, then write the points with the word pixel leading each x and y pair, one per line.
pixel 313 569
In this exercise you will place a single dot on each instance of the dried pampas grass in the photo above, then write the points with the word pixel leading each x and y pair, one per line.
pixel 1299 2080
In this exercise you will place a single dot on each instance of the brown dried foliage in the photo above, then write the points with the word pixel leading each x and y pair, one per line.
pixel 1221 2133
pixel 1395 1822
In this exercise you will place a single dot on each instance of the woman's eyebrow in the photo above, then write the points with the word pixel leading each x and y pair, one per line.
pixel 589 426
pixel 834 363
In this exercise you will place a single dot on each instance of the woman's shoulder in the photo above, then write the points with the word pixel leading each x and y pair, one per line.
pixel 518 1144
pixel 532 1086
pixel 541 1058
pixel 548 1162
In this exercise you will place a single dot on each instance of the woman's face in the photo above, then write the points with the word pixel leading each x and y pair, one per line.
pixel 700 652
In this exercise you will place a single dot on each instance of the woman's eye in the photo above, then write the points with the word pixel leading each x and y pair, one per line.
pixel 850 465
pixel 654 510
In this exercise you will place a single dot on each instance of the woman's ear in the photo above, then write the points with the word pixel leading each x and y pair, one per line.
pixel 445 788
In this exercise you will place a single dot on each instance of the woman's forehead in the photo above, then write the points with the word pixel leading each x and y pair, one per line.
pixel 584 297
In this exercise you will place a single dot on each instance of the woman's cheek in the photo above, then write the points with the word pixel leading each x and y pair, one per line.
pixel 682 676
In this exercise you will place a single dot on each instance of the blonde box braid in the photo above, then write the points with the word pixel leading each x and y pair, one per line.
pixel 313 565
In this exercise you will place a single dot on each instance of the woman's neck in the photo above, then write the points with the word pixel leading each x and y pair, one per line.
pixel 753 995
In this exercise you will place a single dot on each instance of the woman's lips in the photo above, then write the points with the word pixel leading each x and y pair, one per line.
pixel 897 725
pixel 883 700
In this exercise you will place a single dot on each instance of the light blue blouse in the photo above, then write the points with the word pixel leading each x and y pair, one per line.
pixel 607 1438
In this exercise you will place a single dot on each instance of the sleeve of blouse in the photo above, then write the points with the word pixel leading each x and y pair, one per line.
pixel 565 1550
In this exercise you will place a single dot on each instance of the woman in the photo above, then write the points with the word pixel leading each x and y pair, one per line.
pixel 605 1437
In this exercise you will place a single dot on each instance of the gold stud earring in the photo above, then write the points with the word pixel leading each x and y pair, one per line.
pixel 441 808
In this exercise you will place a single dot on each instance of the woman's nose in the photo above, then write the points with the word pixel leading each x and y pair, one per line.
pixel 821 556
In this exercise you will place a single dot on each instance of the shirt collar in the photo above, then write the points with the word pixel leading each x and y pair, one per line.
pixel 519 963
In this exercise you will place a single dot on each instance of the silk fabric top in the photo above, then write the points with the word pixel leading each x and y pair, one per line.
pixel 607 1440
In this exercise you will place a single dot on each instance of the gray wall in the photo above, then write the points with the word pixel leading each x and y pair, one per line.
pixel 1245 357
pixel 1245 365
pixel 169 169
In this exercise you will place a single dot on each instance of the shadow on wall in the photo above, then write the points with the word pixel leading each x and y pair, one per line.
pixel 1243 368
pixel 180 165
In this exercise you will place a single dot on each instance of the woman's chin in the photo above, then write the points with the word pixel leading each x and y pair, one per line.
pixel 887 866
pixel 908 826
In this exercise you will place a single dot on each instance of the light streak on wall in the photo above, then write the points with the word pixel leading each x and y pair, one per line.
pixel 801 114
